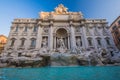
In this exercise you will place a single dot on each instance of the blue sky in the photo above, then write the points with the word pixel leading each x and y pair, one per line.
pixel 11 9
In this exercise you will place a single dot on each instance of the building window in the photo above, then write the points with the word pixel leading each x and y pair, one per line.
pixel 12 42
pixel 78 41
pixel 35 29
pixel 114 27
pixel 99 42
pixel 119 22
pixel 108 41
pixel 22 42
pixel 116 33
pixel 90 42
pixel 16 30
pixel 25 30
pixel 119 39
pixel 33 42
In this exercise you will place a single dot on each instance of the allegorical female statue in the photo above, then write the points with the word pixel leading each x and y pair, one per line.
pixel 78 42
pixel 44 43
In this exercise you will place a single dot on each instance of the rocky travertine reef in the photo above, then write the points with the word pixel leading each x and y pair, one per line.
pixel 68 58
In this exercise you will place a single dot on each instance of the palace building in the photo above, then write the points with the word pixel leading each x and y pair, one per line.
pixel 115 31
pixel 59 30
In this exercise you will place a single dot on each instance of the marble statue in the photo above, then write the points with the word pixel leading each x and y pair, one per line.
pixel 44 44
pixel 78 45
pixel 78 42
pixel 44 48
pixel 62 47
pixel 61 9
pixel 61 42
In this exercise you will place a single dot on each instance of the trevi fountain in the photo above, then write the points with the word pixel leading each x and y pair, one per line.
pixel 59 38
pixel 60 45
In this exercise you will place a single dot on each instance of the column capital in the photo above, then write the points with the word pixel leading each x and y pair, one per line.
pixel 68 34
pixel 71 23
pixel 54 34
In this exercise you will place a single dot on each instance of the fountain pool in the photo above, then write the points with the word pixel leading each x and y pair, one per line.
pixel 62 73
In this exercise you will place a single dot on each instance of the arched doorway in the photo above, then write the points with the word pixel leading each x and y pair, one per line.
pixel 61 39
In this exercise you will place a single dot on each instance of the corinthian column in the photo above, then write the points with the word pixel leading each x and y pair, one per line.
pixel 51 37
pixel 68 42
pixel 72 36
pixel 39 38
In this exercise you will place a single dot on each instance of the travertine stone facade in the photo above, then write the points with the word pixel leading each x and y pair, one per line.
pixel 60 28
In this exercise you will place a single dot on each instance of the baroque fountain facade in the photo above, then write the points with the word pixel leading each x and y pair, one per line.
pixel 59 38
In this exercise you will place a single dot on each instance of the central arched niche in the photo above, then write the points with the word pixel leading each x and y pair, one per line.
pixel 61 33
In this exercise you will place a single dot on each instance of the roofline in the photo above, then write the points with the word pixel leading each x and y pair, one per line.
pixel 3 36
pixel 114 21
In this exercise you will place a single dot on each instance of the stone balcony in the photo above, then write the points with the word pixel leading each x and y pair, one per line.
pixel 24 34
pixel 34 34
pixel 14 34
pixel 31 47
pixel 10 47
pixel 21 47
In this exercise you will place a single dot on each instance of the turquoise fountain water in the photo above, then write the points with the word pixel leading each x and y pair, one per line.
pixel 61 73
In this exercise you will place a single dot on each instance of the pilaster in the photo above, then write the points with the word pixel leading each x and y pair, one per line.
pixel 39 37
pixel 84 37
pixel 51 36
pixel 73 42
